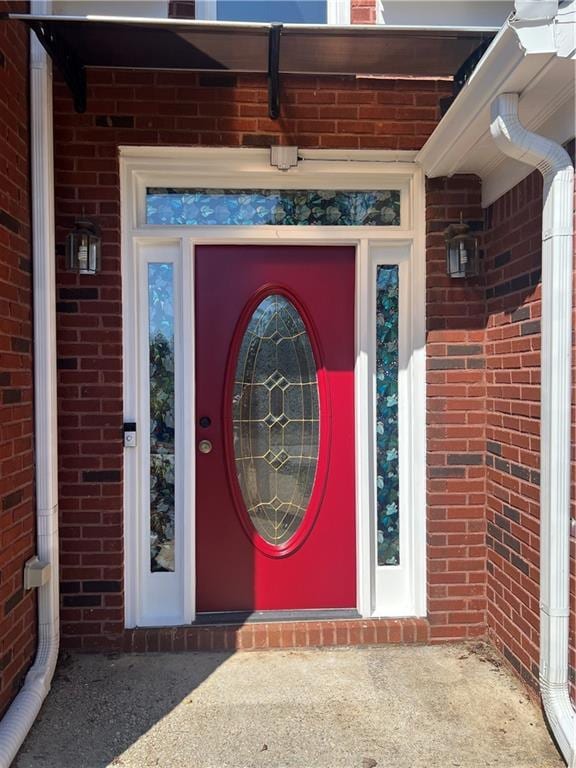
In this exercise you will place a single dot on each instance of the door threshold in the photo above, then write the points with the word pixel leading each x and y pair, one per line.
pixel 255 617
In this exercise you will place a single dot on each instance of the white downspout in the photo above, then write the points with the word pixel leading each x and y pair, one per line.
pixel 555 165
pixel 25 707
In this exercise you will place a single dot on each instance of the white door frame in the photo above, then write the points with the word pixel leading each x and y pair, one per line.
pixel 381 591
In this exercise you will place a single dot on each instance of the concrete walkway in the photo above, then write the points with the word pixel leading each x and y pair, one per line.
pixel 386 707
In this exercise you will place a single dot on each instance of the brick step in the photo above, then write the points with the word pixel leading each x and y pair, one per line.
pixel 266 635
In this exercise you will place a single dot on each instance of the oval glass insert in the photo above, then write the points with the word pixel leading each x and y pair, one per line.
pixel 275 415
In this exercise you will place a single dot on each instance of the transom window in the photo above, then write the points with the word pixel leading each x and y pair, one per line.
pixel 295 207
pixel 288 11
pixel 281 11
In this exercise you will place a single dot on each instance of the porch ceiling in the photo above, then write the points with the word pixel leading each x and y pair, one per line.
pixel 79 42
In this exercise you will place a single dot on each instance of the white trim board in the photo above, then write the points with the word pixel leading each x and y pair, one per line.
pixel 400 591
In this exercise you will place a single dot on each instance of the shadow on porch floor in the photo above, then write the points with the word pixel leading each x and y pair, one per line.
pixel 385 707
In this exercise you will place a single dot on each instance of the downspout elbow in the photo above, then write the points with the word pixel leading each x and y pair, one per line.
pixel 26 706
pixel 514 140
pixel 561 716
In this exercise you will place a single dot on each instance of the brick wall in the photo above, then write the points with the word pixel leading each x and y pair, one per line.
pixel 513 253
pixel 363 11
pixel 181 109
pixel 513 257
pixel 483 405
pixel 17 535
pixel 456 423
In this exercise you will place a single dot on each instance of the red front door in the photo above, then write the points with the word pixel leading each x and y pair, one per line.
pixel 275 413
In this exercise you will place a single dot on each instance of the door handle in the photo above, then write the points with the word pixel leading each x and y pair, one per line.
pixel 205 446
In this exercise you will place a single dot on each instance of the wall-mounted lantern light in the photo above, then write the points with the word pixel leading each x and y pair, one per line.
pixel 462 251
pixel 83 248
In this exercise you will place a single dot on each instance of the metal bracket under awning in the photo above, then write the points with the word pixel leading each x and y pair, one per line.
pixel 78 43
pixel 66 61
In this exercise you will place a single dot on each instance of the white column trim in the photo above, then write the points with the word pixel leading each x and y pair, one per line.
pixel 338 12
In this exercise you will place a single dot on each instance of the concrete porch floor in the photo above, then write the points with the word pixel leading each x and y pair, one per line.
pixel 385 707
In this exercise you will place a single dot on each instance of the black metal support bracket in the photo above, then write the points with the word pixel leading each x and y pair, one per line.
pixel 71 69
pixel 467 68
pixel 274 71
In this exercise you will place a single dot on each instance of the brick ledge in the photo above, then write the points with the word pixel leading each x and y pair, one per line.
pixel 269 635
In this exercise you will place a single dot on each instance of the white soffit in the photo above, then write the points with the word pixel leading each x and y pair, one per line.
pixel 545 81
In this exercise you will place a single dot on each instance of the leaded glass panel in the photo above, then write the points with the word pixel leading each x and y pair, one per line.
pixel 162 455
pixel 221 207
pixel 387 479
pixel 276 416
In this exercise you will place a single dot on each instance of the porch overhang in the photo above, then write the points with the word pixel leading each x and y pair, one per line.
pixel 76 43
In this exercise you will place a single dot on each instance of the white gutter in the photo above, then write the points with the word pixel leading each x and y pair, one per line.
pixel 462 126
pixel 555 165
pixel 530 56
pixel 23 711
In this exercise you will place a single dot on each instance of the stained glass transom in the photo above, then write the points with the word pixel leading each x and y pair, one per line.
pixel 276 419
pixel 209 207
pixel 162 454
pixel 387 480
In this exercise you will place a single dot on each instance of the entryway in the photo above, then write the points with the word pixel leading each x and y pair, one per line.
pixel 274 368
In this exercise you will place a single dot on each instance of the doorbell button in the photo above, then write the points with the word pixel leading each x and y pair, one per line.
pixel 130 434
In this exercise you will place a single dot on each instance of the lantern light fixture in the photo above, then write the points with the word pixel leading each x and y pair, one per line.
pixel 83 248
pixel 462 251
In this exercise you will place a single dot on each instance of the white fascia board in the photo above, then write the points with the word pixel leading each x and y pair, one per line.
pixel 468 117
pixel 461 142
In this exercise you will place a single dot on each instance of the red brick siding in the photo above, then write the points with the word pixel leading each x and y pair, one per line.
pixel 182 108
pixel 363 11
pixel 513 253
pixel 128 107
pixel 456 424
pixel 17 534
